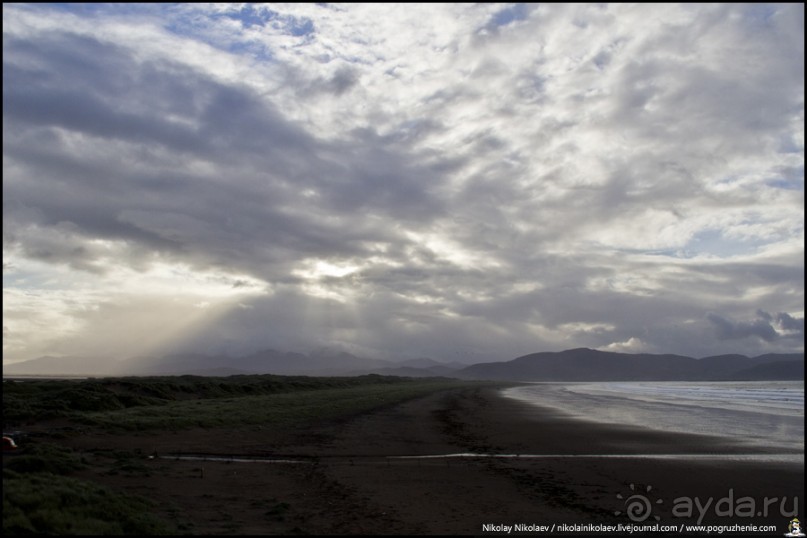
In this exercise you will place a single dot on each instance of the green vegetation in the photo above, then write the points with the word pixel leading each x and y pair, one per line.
pixel 148 403
pixel 34 400
pixel 39 499
pixel 286 409
pixel 45 458
pixel 44 503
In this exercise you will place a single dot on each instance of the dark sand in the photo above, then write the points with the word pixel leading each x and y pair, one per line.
pixel 346 484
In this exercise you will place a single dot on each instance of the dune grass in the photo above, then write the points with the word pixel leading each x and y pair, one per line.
pixel 44 503
pixel 38 497
pixel 92 399
pixel 284 409
pixel 181 402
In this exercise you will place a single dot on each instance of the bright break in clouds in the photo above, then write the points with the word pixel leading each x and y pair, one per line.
pixel 466 182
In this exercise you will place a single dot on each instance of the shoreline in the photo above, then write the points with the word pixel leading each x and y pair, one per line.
pixel 352 486
pixel 566 485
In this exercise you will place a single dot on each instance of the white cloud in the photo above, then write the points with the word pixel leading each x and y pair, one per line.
pixel 632 345
pixel 486 178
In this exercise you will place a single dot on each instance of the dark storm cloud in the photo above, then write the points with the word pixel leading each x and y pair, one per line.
pixel 761 327
pixel 141 126
pixel 789 323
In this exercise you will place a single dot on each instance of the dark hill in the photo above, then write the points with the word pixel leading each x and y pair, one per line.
pixel 768 371
pixel 585 364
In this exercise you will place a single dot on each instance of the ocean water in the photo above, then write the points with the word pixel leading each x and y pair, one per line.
pixel 766 414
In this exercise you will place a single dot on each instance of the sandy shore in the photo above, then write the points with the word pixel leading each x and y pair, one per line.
pixel 345 482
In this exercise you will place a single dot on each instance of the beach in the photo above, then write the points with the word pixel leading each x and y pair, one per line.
pixel 509 464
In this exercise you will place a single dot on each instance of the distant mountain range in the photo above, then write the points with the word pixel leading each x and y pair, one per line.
pixel 322 362
pixel 585 364
pixel 581 364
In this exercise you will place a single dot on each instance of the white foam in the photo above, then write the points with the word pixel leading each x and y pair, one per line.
pixel 786 458
pixel 759 413
pixel 779 397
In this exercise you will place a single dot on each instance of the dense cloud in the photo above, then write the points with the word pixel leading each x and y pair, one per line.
pixel 765 327
pixel 464 182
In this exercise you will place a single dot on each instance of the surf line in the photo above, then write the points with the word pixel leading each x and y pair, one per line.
pixel 785 457
pixel 766 457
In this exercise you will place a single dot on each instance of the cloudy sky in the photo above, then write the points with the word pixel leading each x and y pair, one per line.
pixel 465 182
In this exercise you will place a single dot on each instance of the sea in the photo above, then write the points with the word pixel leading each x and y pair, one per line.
pixel 767 414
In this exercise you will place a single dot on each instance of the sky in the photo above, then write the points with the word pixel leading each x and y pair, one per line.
pixel 463 182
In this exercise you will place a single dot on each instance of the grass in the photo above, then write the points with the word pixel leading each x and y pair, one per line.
pixel 45 458
pixel 39 499
pixel 285 409
pixel 44 503
pixel 34 400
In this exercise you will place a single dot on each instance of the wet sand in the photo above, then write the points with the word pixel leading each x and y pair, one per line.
pixel 348 480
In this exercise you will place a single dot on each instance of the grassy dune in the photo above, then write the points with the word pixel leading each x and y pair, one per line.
pixel 175 403
pixel 39 496
pixel 294 408
pixel 43 503
pixel 188 401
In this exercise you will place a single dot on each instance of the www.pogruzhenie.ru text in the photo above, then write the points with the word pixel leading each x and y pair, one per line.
pixel 624 528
